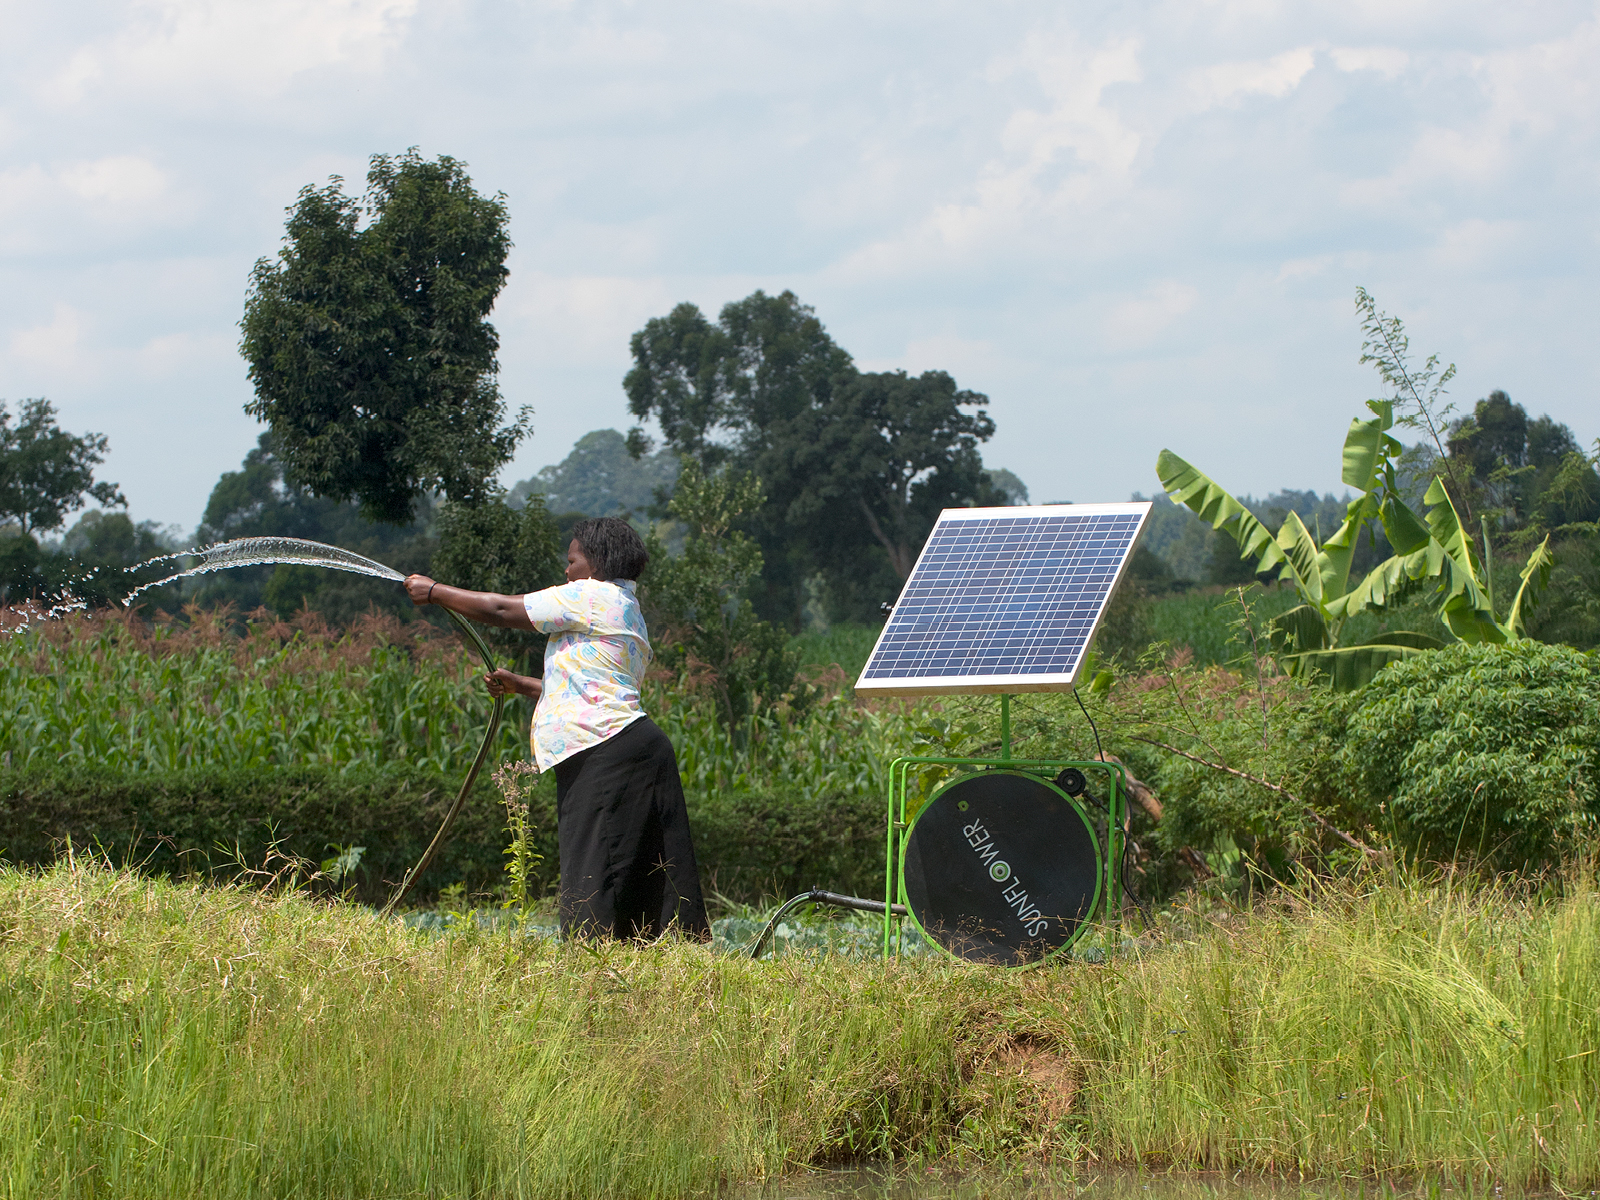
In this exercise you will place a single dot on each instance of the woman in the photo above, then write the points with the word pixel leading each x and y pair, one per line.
pixel 627 864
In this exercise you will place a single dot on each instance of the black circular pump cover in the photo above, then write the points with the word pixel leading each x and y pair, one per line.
pixel 1001 868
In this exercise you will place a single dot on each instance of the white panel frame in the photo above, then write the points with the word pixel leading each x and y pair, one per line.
pixel 956 685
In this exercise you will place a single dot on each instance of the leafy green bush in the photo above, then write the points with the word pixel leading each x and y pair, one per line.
pixel 706 633
pixel 750 847
pixel 1492 750
pixel 205 821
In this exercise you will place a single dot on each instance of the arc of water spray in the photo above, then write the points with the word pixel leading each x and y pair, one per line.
pixel 255 552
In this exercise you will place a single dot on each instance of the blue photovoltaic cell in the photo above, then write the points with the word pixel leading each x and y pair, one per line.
pixel 1008 595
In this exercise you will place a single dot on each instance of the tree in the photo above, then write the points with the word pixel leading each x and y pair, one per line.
pixel 259 501
pixel 1525 475
pixel 599 478
pixel 854 467
pixel 45 472
pixel 705 630
pixel 725 394
pixel 369 346
pixel 883 457
pixel 100 555
pixel 719 391
pixel 492 547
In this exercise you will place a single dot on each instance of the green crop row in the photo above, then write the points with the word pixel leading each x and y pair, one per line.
pixel 108 694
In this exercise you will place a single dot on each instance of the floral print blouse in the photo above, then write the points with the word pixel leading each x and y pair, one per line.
pixel 594 663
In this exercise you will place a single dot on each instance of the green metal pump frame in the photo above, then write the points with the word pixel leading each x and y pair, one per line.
pixel 1108 889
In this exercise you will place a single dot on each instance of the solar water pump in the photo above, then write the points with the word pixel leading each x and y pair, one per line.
pixel 1003 864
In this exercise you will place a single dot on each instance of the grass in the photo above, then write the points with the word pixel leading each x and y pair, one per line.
pixel 844 645
pixel 1206 621
pixel 159 1038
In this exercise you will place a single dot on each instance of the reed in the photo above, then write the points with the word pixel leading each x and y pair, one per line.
pixel 162 1039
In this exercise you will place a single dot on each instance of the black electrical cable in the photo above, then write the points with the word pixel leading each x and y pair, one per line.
pixel 1127 889
pixel 1127 885
pixel 1097 748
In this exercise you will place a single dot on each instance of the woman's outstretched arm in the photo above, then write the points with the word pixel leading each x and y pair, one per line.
pixel 487 608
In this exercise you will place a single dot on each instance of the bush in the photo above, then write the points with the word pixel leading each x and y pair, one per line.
pixel 1488 750
pixel 749 847
pixel 225 820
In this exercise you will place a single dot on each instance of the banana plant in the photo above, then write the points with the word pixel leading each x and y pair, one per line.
pixel 1436 551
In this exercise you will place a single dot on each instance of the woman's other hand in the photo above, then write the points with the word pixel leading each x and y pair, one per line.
pixel 502 682
pixel 418 588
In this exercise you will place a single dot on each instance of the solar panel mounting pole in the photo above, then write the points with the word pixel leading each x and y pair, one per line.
pixel 1005 726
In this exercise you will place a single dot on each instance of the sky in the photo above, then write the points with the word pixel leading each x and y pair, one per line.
pixel 1133 226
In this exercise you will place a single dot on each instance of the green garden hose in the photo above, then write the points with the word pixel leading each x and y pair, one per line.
pixel 426 860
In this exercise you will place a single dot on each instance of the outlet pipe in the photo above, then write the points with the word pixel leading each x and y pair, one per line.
pixel 817 896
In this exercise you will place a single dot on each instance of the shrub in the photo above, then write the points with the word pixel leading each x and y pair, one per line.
pixel 1491 750
pixel 225 820
pixel 749 846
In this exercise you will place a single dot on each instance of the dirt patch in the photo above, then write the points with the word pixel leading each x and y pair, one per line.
pixel 1049 1075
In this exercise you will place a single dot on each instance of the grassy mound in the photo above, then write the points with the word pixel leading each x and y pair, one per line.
pixel 162 1039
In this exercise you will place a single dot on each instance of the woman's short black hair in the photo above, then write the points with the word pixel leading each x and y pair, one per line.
pixel 613 548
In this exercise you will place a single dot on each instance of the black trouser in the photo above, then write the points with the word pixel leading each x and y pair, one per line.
pixel 627 863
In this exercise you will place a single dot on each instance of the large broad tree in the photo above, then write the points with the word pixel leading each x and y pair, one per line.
pixel 854 467
pixel 884 457
pixel 369 342
pixel 46 472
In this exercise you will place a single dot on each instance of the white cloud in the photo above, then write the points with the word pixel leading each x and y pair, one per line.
pixel 119 183
pixel 1026 195
pixel 582 319
pixel 1139 320
pixel 1227 82
pixel 55 348
pixel 1056 162
pixel 967 359
pixel 45 206
pixel 1387 61
pixel 174 353
pixel 251 46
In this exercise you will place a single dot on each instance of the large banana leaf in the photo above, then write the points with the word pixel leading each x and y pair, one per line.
pixel 1368 447
pixel 1211 502
pixel 1368 451
pixel 1299 549
pixel 1466 607
pixel 1388 583
pixel 1347 668
pixel 1405 530
pixel 1535 576
pixel 1300 629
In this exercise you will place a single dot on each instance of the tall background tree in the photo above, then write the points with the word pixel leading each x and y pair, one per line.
pixel 854 467
pixel 260 500
pixel 370 347
pixel 46 472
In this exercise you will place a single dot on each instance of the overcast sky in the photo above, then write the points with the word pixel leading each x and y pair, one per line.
pixel 1132 225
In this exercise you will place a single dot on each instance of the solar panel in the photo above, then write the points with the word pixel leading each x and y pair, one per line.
pixel 1003 600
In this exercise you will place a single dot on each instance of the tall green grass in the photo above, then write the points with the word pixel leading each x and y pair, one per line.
pixel 1394 1027
pixel 161 1039
pixel 1208 622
